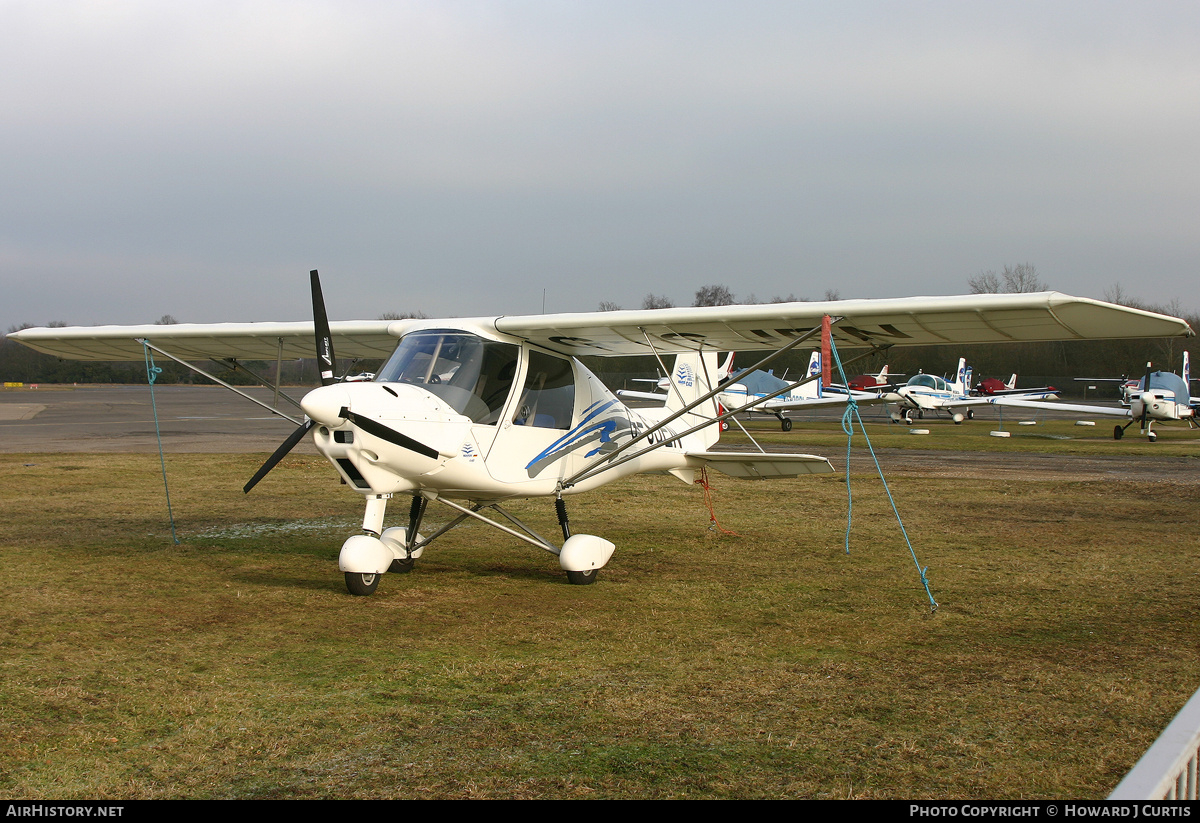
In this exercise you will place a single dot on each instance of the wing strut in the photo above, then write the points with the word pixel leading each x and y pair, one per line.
pixel 218 380
pixel 596 468
pixel 608 461
pixel 233 364
pixel 588 471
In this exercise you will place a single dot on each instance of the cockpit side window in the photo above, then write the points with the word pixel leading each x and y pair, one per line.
pixel 548 397
pixel 472 375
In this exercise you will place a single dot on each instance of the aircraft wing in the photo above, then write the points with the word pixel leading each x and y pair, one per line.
pixel 907 321
pixel 1013 399
pixel 657 396
pixel 1025 394
pixel 198 341
pixel 758 466
pixel 1110 411
pixel 819 402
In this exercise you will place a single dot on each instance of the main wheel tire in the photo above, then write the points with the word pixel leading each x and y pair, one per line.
pixel 402 566
pixel 583 578
pixel 1118 433
pixel 786 424
pixel 970 414
pixel 361 585
pixel 1151 436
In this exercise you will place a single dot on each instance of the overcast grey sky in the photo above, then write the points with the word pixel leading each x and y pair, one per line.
pixel 463 158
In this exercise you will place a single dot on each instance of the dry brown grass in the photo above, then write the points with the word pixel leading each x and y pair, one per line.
pixel 767 664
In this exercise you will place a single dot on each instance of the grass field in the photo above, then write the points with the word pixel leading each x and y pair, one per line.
pixel 766 663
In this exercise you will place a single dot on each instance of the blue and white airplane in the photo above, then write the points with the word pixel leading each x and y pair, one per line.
pixel 1160 395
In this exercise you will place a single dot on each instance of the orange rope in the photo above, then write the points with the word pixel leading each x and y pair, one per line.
pixel 708 501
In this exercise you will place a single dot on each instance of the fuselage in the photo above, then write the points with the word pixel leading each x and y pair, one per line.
pixel 1167 398
pixel 478 415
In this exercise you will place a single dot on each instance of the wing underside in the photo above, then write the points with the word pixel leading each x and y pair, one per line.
pixel 910 321
pixel 197 341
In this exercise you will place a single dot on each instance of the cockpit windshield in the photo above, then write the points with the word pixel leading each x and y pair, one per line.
pixel 472 375
pixel 928 381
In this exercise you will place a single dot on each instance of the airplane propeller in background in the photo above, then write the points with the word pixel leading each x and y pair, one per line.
pixel 1145 399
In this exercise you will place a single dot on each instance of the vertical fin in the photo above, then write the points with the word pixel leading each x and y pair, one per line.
pixel 961 376
pixel 726 368
pixel 693 375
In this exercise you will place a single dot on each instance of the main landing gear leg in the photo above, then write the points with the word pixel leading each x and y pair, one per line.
pixel 365 583
pixel 415 513
pixel 579 578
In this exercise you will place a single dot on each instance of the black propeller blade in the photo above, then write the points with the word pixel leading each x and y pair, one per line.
pixel 391 435
pixel 325 365
pixel 280 453
pixel 1145 400
pixel 325 357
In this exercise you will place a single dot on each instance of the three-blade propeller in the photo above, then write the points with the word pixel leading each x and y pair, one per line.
pixel 326 366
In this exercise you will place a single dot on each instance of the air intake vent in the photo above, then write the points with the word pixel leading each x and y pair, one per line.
pixel 356 479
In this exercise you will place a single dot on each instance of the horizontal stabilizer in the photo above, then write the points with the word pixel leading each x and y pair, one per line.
pixel 757 466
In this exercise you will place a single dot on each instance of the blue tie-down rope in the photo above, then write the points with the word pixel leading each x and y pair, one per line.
pixel 152 373
pixel 851 414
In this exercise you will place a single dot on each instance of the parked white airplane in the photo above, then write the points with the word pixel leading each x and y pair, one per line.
pixel 929 393
pixel 487 409
pixel 1160 395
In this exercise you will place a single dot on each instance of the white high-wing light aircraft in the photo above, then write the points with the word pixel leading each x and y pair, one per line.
pixel 488 409
pixel 1160 395
pixel 929 393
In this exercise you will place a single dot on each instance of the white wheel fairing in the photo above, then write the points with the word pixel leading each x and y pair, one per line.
pixel 584 552
pixel 364 554
pixel 396 538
